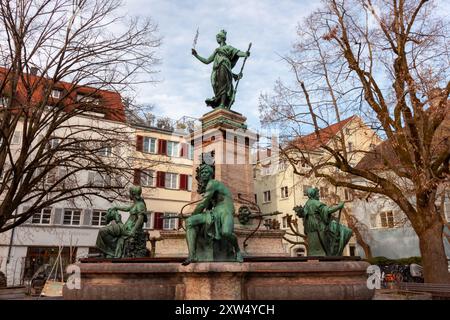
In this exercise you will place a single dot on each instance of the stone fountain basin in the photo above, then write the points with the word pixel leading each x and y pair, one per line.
pixel 257 278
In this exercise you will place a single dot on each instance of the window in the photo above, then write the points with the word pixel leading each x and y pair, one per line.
pixel 42 217
pixel 352 250
pixel 4 101
pixel 106 151
pixel 171 180
pixel 170 224
pixel 87 99
pixel 284 192
pixel 347 131
pixel 447 209
pixel 17 137
pixel 323 191
pixel 350 146
pixel 348 195
pixel 285 222
pixel 98 218
pixel 147 178
pixel 300 252
pixel 266 170
pixel 172 149
pixel 53 143
pixel 51 177
pixel 305 190
pixel 149 145
pixel 387 219
pixel 98 180
pixel 72 217
pixel 189 184
pixel 266 196
pixel 190 152
pixel 282 166
pixel 56 94
pixel 256 198
pixel 304 163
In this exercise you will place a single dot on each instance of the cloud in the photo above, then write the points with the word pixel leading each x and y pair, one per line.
pixel 185 82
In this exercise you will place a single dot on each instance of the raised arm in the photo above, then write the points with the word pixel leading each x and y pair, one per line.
pixel 335 208
pixel 205 61
pixel 124 208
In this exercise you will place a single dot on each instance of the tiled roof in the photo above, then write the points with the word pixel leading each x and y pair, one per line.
pixel 313 141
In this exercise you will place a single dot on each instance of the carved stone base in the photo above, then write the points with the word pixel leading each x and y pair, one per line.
pixel 136 247
pixel 262 243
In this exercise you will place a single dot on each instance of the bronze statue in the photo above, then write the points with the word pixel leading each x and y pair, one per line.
pixel 326 236
pixel 225 58
pixel 210 229
pixel 119 240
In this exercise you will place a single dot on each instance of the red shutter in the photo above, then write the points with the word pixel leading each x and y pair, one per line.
pixel 162 146
pixel 160 179
pixel 183 181
pixel 159 222
pixel 184 150
pixel 137 177
pixel 139 143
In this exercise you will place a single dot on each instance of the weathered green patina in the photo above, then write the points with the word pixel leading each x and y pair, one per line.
pixel 225 58
pixel 124 240
pixel 326 236
pixel 210 229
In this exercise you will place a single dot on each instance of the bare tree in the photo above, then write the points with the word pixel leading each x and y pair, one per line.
pixel 64 64
pixel 388 61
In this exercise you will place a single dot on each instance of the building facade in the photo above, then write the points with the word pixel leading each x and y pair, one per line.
pixel 279 188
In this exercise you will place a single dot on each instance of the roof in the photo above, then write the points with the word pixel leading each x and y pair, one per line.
pixel 384 157
pixel 314 140
pixel 111 102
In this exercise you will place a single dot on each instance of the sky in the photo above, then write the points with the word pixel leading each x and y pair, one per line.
pixel 184 82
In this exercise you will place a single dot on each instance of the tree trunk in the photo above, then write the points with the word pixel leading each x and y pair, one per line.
pixel 434 260
pixel 352 223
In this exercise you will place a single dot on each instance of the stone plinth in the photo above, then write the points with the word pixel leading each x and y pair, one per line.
pixel 225 133
pixel 261 243
pixel 269 280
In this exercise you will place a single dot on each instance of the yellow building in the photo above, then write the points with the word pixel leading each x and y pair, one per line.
pixel 279 188
pixel 163 162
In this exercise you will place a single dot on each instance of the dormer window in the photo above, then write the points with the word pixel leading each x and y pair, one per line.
pixel 56 93
pixel 87 99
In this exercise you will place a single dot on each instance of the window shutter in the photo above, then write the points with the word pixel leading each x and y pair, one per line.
pixel 58 217
pixel 137 177
pixel 139 143
pixel 160 179
pixel 159 221
pixel 184 150
pixel 162 147
pixel 183 181
pixel 87 219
